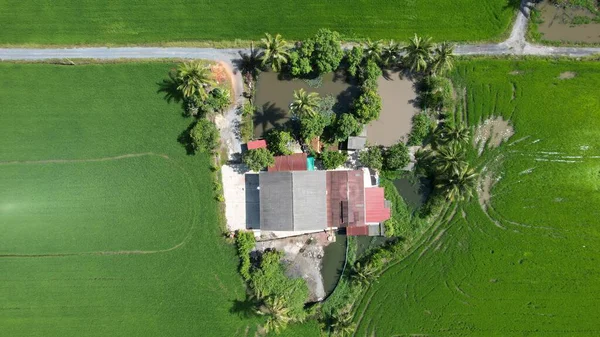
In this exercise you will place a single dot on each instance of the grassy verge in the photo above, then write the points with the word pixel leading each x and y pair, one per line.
pixel 147 256
pixel 496 271
pixel 226 23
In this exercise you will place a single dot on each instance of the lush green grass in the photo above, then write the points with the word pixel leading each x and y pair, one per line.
pixel 69 22
pixel 134 243
pixel 529 266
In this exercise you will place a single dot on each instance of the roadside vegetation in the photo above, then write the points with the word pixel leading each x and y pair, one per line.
pixel 87 22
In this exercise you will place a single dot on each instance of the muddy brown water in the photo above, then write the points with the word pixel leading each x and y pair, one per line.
pixel 395 121
pixel 274 95
pixel 557 24
pixel 414 191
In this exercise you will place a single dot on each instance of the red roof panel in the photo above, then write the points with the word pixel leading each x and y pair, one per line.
pixel 357 230
pixel 294 162
pixel 375 200
pixel 257 144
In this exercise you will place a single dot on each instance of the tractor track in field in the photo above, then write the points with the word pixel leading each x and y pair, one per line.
pixel 64 161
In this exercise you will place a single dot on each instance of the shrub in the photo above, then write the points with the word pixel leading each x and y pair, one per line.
pixel 333 159
pixel 245 242
pixel 354 58
pixel 217 100
pixel 421 128
pixel 279 141
pixel 396 157
pixel 367 106
pixel 369 75
pixel 436 93
pixel 204 136
pixel 299 60
pixel 247 124
pixel 328 52
pixel 346 125
pixel 372 157
pixel 312 126
pixel 258 159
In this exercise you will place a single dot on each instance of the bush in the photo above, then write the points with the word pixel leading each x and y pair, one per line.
pixel 401 218
pixel 367 106
pixel 346 125
pixel 396 157
pixel 372 157
pixel 312 126
pixel 279 142
pixel 369 75
pixel 258 159
pixel 421 128
pixel 204 136
pixel 218 99
pixel 247 125
pixel 333 159
pixel 299 60
pixel 436 93
pixel 354 58
pixel 245 242
pixel 328 52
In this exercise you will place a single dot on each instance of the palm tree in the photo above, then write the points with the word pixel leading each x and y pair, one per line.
pixel 390 54
pixel 305 103
pixel 278 313
pixel 275 53
pixel 363 275
pixel 443 59
pixel 194 80
pixel 418 53
pixel 342 323
pixel 459 184
pixel 373 50
pixel 250 64
pixel 449 159
pixel 449 134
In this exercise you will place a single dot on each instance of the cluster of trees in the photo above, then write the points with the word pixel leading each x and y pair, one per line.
pixel 379 158
pixel 445 163
pixel 273 294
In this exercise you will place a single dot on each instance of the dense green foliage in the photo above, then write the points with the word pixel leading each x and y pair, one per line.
pixel 396 157
pixel 367 106
pixel 245 241
pixel 317 55
pixel 247 125
pixel 346 125
pixel 369 75
pixel 258 159
pixel 435 93
pixel 530 253
pixel 205 136
pixel 312 126
pixel 333 159
pixel 421 129
pixel 399 223
pixel 157 21
pixel 122 225
pixel 354 58
pixel 372 157
pixel 279 141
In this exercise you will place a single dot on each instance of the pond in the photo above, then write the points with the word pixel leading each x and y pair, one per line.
pixel 274 95
pixel 413 190
pixel 335 256
pixel 558 24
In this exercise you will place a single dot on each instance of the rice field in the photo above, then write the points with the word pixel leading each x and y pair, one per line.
pixel 117 22
pixel 108 227
pixel 527 264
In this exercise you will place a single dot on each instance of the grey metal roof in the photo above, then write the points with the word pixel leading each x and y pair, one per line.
pixel 293 201
pixel 356 143
pixel 310 200
pixel 276 201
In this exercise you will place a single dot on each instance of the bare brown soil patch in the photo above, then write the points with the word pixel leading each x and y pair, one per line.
pixel 491 133
pixel 567 75
pixel 558 24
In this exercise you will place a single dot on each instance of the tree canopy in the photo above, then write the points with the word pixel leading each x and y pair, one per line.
pixel 204 136
pixel 258 159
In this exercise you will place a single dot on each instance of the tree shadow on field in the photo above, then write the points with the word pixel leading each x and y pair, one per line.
pixel 169 88
pixel 245 308
pixel 185 139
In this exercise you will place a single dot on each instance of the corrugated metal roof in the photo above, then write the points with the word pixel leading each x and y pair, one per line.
pixel 376 210
pixel 257 144
pixel 310 200
pixel 357 230
pixel 345 198
pixel 276 198
pixel 357 143
pixel 293 162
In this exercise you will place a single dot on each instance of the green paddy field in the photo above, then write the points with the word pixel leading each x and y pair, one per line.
pixel 528 264
pixel 117 22
pixel 108 227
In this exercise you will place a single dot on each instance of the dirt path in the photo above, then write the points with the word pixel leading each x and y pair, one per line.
pixel 62 161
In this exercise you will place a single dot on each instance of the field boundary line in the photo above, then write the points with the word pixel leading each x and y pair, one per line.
pixel 65 161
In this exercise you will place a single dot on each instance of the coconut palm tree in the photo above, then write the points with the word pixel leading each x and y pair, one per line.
pixel 342 323
pixel 250 64
pixel 449 134
pixel 275 53
pixel 443 58
pixel 418 53
pixel 305 103
pixel 390 54
pixel 194 80
pixel 363 274
pixel 449 159
pixel 372 50
pixel 458 185
pixel 278 314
